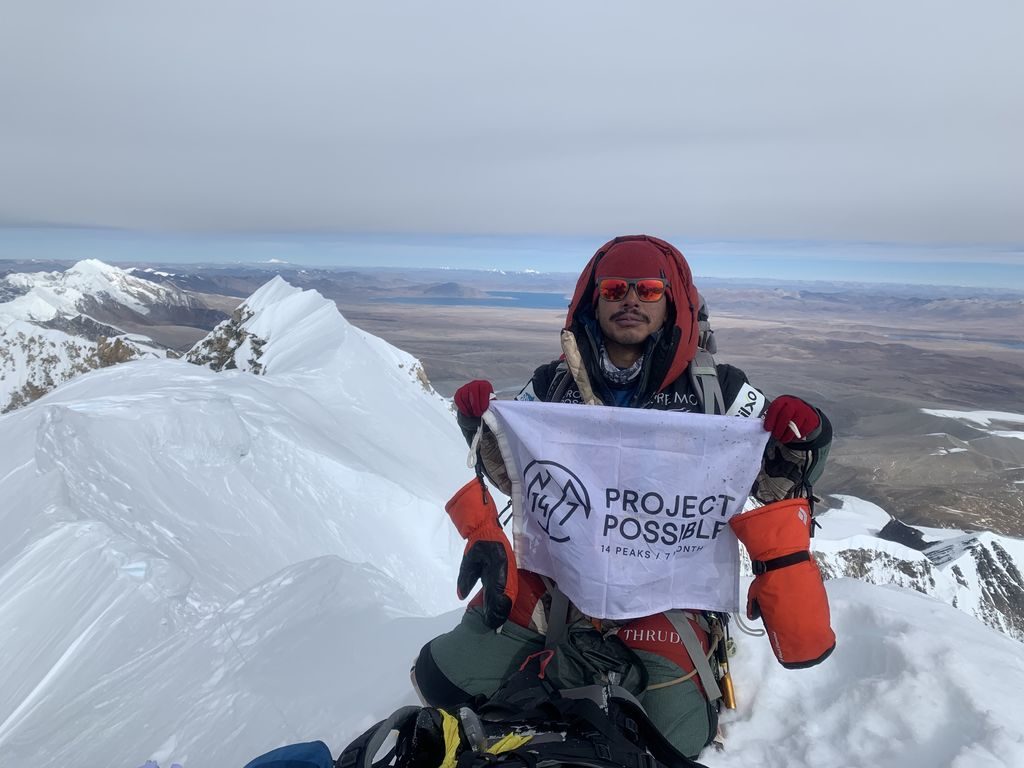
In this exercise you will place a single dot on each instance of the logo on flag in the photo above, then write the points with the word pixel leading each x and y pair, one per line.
pixel 553 496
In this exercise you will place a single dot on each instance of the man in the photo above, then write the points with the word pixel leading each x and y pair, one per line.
pixel 631 339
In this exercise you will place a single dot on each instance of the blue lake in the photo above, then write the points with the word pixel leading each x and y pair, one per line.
pixel 959 337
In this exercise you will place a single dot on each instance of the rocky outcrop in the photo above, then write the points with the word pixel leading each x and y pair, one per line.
pixel 34 360
pixel 230 346
pixel 979 573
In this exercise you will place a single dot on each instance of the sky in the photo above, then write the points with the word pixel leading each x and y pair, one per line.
pixel 740 121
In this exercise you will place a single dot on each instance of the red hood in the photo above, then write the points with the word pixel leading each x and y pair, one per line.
pixel 683 301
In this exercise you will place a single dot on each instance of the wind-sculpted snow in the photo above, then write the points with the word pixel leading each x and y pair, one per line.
pixel 318 650
pixel 72 610
pixel 140 501
pixel 282 329
pixel 235 476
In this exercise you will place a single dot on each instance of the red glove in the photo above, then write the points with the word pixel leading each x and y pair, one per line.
pixel 786 411
pixel 488 556
pixel 474 398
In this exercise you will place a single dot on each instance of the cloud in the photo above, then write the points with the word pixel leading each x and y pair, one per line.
pixel 740 120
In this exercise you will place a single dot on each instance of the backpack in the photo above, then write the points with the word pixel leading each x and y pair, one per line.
pixel 527 723
pixel 706 337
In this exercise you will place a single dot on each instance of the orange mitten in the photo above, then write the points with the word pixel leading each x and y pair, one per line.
pixel 787 592
pixel 488 556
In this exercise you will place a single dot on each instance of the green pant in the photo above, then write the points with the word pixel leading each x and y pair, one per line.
pixel 474 660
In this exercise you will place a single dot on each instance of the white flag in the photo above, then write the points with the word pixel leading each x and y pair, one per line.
pixel 628 509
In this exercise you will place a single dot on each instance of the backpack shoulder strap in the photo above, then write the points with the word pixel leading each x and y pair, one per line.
pixel 704 377
pixel 560 382
pixel 666 755
pixel 696 653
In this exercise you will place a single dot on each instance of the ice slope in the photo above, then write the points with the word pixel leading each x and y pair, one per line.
pixel 192 465
pixel 315 651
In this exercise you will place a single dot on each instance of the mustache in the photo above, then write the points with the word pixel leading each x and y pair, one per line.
pixel 631 313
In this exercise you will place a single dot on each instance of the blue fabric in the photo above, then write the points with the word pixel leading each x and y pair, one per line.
pixel 312 754
pixel 622 396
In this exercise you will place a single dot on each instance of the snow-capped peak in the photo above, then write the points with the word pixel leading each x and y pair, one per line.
pixel 46 295
pixel 299 339
pixel 282 329
pixel 93 270
pixel 273 291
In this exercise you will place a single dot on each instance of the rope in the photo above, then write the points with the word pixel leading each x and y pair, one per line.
pixel 684 678
pixel 746 629
pixel 678 680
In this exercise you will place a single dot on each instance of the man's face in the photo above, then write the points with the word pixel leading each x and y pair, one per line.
pixel 629 322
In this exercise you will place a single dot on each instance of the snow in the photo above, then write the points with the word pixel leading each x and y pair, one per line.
pixel 983 419
pixel 50 294
pixel 851 518
pixel 35 358
pixel 1007 433
pixel 287 470
pixel 44 357
pixel 975 572
pixel 912 683
pixel 37 304
pixel 197 567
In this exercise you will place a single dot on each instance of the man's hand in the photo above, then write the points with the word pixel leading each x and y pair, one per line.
pixel 789 418
pixel 488 557
pixel 474 398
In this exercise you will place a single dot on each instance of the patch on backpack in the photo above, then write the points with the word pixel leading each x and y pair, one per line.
pixel 527 394
pixel 748 403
